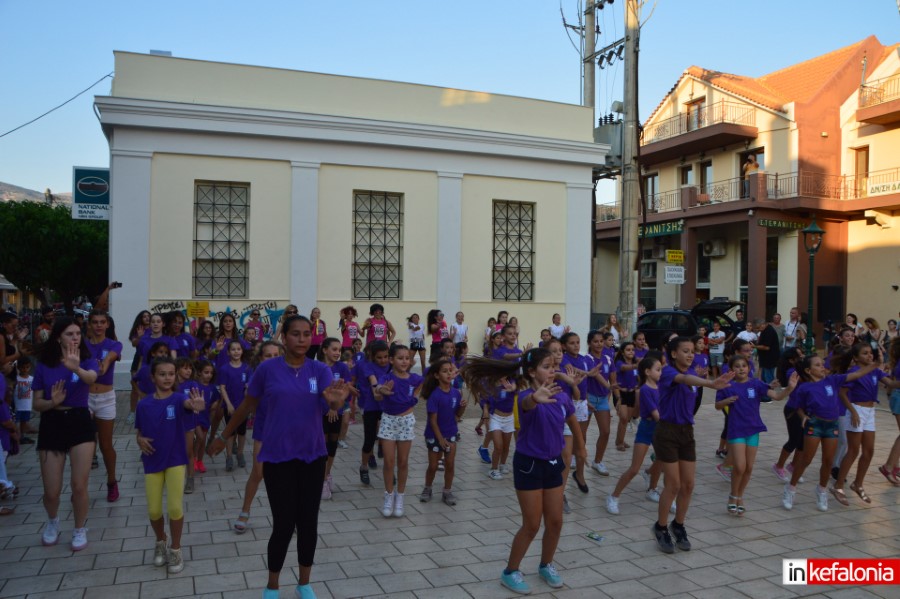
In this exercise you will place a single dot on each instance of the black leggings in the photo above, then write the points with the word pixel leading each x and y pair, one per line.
pixel 332 432
pixel 295 490
pixel 795 430
pixel 698 401
pixel 370 429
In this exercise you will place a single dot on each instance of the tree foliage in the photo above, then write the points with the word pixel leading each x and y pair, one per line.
pixel 42 248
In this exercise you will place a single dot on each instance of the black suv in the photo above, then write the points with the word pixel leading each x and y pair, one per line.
pixel 657 323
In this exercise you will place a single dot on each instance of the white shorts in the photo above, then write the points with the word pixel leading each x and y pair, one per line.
pixel 103 405
pixel 581 410
pixel 567 432
pixel 866 420
pixel 504 424
pixel 397 428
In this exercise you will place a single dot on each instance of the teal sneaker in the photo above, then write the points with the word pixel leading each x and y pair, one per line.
pixel 305 591
pixel 551 576
pixel 515 582
pixel 270 593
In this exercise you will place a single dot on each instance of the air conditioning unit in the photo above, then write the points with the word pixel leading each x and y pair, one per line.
pixel 714 248
pixel 659 251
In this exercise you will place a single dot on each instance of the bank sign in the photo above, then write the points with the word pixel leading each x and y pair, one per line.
pixel 90 193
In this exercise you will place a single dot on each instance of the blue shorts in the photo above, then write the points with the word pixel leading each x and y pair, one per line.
pixel 895 402
pixel 645 432
pixel 532 474
pixel 599 403
pixel 751 441
pixel 23 415
pixel 823 429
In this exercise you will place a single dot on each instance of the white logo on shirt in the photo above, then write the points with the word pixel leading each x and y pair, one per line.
pixel 313 385
pixel 751 393
pixel 74 377
pixel 829 391
pixel 170 412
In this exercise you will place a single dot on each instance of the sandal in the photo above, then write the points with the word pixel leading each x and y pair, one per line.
pixel 861 492
pixel 889 475
pixel 740 508
pixel 241 526
pixel 839 495
pixel 732 505
pixel 7 511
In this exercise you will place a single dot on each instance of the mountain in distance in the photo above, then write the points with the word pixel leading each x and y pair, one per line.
pixel 14 193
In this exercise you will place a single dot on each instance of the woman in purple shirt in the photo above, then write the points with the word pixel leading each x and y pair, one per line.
pixel 297 392
pixel 538 462
pixel 102 397
pixel 62 381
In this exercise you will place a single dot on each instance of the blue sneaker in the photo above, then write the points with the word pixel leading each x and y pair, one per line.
pixel 551 576
pixel 270 593
pixel 515 582
pixel 305 591
pixel 485 455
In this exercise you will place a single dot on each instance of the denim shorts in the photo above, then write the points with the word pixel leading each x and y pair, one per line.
pixel 645 432
pixel 532 474
pixel 599 403
pixel 895 402
pixel 823 429
pixel 751 441
pixel 716 359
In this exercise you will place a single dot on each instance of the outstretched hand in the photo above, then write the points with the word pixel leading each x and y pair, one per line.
pixel 723 381
pixel 545 393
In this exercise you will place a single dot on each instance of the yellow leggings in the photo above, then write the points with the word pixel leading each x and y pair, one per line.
pixel 173 480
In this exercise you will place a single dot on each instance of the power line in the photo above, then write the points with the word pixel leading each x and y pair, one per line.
pixel 56 107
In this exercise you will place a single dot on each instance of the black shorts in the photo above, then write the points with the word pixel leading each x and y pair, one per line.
pixel 417 345
pixel 242 427
pixel 674 442
pixel 331 428
pixel 61 430
pixel 627 398
pixel 432 444
pixel 531 474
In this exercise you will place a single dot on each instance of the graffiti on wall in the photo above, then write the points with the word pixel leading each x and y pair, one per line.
pixel 269 314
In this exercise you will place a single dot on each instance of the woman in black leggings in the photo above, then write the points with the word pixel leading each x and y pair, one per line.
pixel 293 450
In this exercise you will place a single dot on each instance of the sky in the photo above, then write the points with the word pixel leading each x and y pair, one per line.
pixel 53 49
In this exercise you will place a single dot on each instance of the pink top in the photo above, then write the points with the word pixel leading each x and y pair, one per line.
pixel 318 331
pixel 442 333
pixel 350 333
pixel 378 331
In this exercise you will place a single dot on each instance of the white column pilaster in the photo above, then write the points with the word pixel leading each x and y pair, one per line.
pixel 449 243
pixel 579 204
pixel 304 234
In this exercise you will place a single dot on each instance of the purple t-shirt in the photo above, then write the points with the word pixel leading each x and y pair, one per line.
pixel 626 379
pixel 700 361
pixel 610 354
pixel 147 342
pixel 339 371
pixel 163 421
pixel 361 373
pixel 210 395
pixel 594 387
pixel 76 389
pixel 234 379
pixel 501 401
pixel 99 352
pixel 640 354
pixel 649 400
pixel 444 404
pixel 500 352
pixel 190 420
pixel 676 400
pixel 743 414
pixel 144 381
pixel 794 398
pixel 865 388
pixel 403 397
pixel 185 345
pixel 578 362
pixel 821 399
pixel 294 409
pixel 541 428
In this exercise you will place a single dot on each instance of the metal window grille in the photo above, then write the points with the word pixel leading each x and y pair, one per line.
pixel 513 277
pixel 221 262
pixel 377 245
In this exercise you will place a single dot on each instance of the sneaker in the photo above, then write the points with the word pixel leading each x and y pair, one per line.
pixel 496 475
pixel 373 463
pixel 199 467
pixel 652 495
pixel 504 469
pixel 95 463
pixel 426 495
pixel 241 462
pixel 130 418
pixel 549 574
pixel 612 505
pixel 630 426
pixel 51 533
pixel 79 539
pixel 790 468
pixel 112 492
pixel 304 591
pixel 448 498
pixel 485 455
pixel 721 453
pixel 566 508
pixel 387 510
pixel 645 474
pixel 724 472
pixel 343 444
pixel 160 553
pixel 175 561
pixel 890 475
pixel 663 539
pixel 781 473
pixel 787 499
pixel 189 485
pixel 681 538
pixel 398 505
pixel 440 465
pixel 326 490
pixel 364 477
pixel 229 464
pixel 572 463
pixel 601 469
pixel 270 593
pixel 515 582
pixel 674 507
pixel 821 499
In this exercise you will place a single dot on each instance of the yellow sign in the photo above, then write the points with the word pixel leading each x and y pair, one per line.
pixel 197 309
pixel 675 256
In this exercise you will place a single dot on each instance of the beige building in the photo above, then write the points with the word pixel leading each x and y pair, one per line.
pixel 823 145
pixel 244 187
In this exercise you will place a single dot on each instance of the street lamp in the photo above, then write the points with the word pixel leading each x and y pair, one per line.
pixel 812 241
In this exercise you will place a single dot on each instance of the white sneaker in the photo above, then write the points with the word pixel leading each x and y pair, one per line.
pixel 645 474
pixel 504 469
pixel 130 418
pixel 79 539
pixel 496 475
pixel 176 562
pixel 652 495
pixel 51 532
pixel 342 444
pixel 600 467
pixel 612 505
pixel 787 499
pixel 398 504
pixel 160 554
pixel 821 499
pixel 387 509
pixel 572 463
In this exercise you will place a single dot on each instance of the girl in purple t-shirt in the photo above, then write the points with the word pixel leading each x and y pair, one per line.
pixel 206 374
pixel 598 396
pixel 232 379
pixel 743 396
pixel 445 406
pixel 624 381
pixel 332 422
pixel 159 422
pixel 184 382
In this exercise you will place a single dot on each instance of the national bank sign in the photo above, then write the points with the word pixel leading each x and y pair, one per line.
pixel 90 193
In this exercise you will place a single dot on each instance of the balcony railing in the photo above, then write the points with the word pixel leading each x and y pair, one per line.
pixel 879 91
pixel 713 114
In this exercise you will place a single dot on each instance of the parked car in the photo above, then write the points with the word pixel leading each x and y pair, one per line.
pixel 656 323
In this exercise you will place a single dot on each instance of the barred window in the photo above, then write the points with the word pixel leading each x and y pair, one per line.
pixel 377 245
pixel 513 251
pixel 221 262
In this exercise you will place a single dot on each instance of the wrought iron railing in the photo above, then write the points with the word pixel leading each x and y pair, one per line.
pixel 713 114
pixel 606 212
pixel 879 91
pixel 664 201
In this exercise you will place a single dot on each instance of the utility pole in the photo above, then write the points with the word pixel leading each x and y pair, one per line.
pixel 587 60
pixel 628 240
